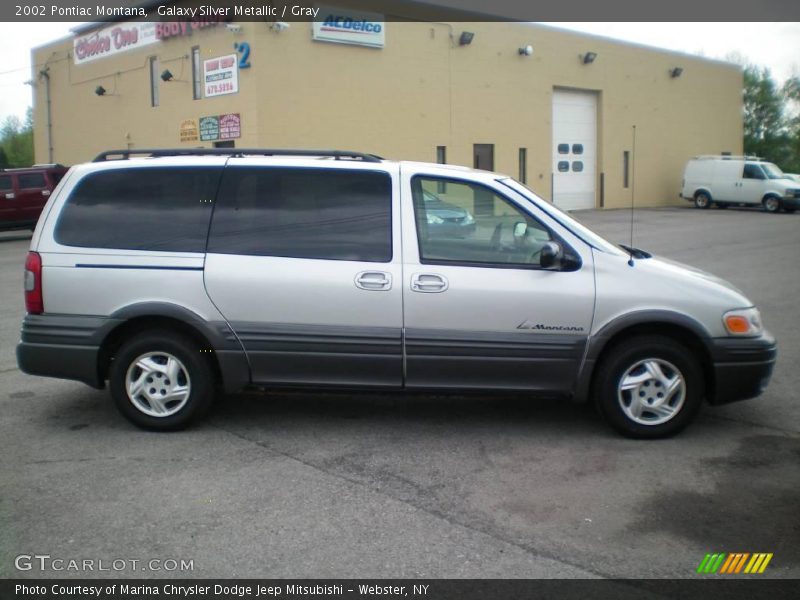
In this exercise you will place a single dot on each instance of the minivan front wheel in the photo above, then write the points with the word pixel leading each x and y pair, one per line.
pixel 772 204
pixel 702 200
pixel 649 387
pixel 161 381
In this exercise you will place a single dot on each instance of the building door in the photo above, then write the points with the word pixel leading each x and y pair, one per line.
pixel 574 149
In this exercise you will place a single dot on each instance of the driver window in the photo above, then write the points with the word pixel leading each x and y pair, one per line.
pixel 464 222
pixel 752 172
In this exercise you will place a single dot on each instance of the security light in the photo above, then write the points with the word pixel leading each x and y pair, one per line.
pixel 100 90
pixel 675 72
pixel 589 57
pixel 465 39
pixel 166 75
pixel 526 51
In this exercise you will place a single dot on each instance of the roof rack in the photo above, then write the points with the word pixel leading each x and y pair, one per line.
pixel 162 152
pixel 730 157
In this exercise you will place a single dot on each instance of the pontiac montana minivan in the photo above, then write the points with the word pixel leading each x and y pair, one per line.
pixel 175 275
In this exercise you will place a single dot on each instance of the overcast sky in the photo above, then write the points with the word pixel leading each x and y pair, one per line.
pixel 773 45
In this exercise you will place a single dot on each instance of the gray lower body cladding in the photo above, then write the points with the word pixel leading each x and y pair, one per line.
pixel 68 347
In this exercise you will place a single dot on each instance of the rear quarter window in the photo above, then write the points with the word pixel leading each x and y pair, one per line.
pixel 32 180
pixel 165 209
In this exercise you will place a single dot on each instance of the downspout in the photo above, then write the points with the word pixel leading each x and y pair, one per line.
pixel 45 73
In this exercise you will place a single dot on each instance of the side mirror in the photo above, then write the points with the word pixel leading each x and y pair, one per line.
pixel 551 253
pixel 520 229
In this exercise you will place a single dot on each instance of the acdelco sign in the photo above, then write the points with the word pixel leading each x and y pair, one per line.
pixel 349 27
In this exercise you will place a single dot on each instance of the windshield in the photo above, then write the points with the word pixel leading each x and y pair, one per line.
pixel 772 171
pixel 567 220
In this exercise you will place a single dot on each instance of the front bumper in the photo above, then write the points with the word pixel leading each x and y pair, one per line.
pixel 790 202
pixel 742 367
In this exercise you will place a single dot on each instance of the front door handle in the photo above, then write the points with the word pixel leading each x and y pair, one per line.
pixel 45 192
pixel 428 283
pixel 10 196
pixel 374 281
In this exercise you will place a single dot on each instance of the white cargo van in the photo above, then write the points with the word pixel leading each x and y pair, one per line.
pixel 725 180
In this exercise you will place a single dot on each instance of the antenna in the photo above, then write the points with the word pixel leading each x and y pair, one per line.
pixel 633 192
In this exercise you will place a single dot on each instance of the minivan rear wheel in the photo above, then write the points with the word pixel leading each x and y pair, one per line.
pixel 772 204
pixel 702 200
pixel 649 387
pixel 160 381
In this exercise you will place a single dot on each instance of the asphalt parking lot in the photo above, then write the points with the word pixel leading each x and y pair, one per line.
pixel 330 485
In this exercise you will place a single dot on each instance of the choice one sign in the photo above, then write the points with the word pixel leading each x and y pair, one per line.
pixel 112 40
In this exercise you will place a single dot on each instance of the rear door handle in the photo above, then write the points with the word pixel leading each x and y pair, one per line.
pixel 45 192
pixel 375 281
pixel 10 196
pixel 429 283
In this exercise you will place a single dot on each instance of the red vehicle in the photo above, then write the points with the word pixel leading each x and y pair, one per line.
pixel 24 192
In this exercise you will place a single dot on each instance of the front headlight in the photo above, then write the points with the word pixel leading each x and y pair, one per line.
pixel 434 219
pixel 743 322
pixel 469 219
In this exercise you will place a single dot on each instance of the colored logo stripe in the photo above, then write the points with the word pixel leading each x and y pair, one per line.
pixel 733 563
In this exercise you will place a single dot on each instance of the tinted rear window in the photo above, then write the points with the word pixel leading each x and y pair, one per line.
pixel 5 184
pixel 32 180
pixel 304 213
pixel 165 209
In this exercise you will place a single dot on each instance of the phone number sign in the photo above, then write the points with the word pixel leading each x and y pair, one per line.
pixel 221 75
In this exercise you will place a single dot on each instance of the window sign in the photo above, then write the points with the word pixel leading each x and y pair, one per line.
pixel 230 127
pixel 188 131
pixel 221 75
pixel 209 128
pixel 220 127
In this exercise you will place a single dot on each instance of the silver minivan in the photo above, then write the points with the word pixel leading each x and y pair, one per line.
pixel 177 275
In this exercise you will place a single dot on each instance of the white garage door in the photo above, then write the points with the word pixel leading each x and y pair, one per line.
pixel 574 149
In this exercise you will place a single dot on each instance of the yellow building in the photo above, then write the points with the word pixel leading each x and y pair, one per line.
pixel 556 109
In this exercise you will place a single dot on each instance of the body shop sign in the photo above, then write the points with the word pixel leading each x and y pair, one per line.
pixel 221 75
pixel 345 26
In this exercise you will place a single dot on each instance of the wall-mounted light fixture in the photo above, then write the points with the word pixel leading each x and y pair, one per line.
pixel 526 50
pixel 675 72
pixel 588 58
pixel 279 26
pixel 100 90
pixel 166 75
pixel 465 39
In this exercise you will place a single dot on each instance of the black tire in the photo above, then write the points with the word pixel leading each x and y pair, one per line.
pixel 702 200
pixel 771 204
pixel 621 359
pixel 194 369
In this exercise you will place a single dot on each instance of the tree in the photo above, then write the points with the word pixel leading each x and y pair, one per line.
pixel 771 122
pixel 16 141
pixel 763 113
pixel 791 92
